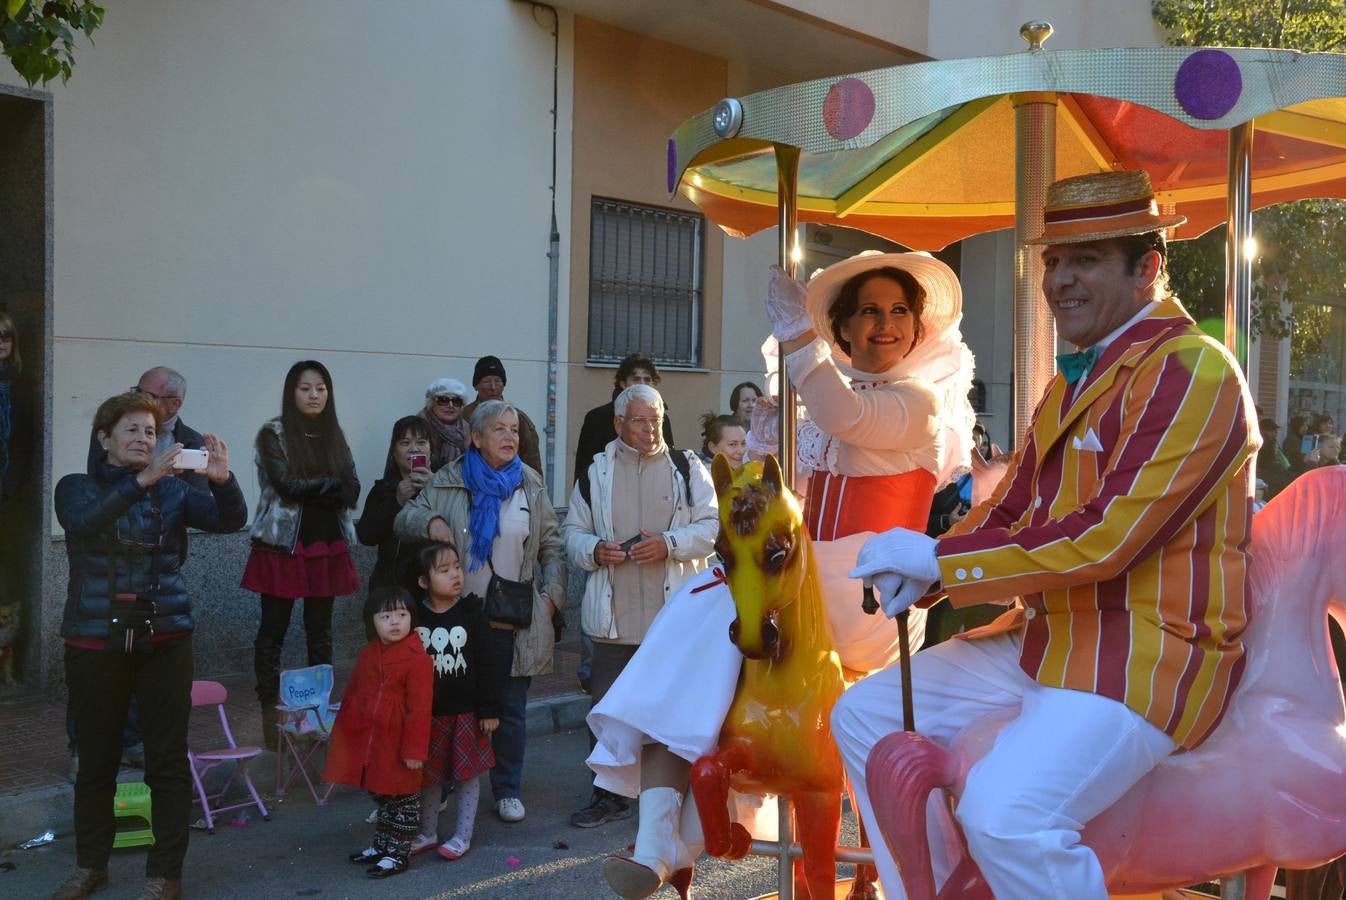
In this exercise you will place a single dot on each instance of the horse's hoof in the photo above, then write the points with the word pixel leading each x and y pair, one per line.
pixel 740 842
pixel 682 883
pixel 629 879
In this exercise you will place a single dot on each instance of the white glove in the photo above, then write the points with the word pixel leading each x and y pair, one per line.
pixel 764 432
pixel 785 306
pixel 901 565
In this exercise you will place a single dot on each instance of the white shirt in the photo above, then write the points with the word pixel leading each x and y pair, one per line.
pixel 507 549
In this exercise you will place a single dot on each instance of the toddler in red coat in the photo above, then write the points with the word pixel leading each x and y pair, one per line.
pixel 382 733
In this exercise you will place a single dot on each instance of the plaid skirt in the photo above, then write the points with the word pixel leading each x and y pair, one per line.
pixel 459 750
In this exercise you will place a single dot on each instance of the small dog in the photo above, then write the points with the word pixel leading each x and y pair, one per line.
pixel 9 636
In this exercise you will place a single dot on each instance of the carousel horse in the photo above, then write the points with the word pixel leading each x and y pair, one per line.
pixel 777 736
pixel 1267 789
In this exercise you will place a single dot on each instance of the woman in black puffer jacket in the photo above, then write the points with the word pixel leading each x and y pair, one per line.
pixel 128 626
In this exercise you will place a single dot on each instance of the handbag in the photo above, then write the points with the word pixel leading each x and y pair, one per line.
pixel 509 602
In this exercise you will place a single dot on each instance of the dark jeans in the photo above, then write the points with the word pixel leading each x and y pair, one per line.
pixel 509 739
pixel 271 639
pixel 102 684
pixel 132 735
pixel 608 662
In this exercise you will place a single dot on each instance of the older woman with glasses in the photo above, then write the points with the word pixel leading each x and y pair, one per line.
pixel 443 413
pixel 128 627
pixel 495 510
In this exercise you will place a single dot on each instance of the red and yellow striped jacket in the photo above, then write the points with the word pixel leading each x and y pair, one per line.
pixel 1123 526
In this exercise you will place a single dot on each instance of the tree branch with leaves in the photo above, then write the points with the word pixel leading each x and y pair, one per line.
pixel 39 39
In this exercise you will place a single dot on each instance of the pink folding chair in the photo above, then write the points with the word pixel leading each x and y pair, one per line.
pixel 212 693
pixel 306 715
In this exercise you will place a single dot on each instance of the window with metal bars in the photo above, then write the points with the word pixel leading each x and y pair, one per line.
pixel 645 283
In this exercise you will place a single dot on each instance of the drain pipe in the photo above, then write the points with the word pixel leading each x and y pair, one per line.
pixel 553 261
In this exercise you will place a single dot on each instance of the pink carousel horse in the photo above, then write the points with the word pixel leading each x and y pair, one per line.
pixel 1266 790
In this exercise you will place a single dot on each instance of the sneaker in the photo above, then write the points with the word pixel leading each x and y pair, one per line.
pixel 454 847
pixel 373 817
pixel 365 856
pixel 162 889
pixel 81 884
pixel 603 807
pixel 386 868
pixel 510 809
pixel 423 842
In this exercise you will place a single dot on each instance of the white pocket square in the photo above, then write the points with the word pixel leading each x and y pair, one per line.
pixel 1090 441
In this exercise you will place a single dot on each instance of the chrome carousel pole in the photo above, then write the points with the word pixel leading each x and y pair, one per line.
pixel 787 192
pixel 1238 260
pixel 1034 168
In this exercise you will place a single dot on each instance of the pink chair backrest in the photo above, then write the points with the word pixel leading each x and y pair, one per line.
pixel 208 693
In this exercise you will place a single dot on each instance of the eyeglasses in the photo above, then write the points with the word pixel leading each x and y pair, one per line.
pixel 171 398
pixel 644 421
pixel 449 401
pixel 6 335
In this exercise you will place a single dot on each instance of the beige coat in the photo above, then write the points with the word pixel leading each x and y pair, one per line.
pixel 447 497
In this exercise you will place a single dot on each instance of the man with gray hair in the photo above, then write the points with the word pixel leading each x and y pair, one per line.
pixel 643 519
pixel 169 390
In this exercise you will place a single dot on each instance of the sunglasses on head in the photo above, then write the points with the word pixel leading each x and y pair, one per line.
pixel 449 400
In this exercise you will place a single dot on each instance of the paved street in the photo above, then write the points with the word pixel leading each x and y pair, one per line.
pixel 301 851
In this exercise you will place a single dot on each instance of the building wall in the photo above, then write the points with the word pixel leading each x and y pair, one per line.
pixel 238 186
pixel 631 92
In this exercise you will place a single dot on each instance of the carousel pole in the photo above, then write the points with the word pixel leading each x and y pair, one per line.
pixel 787 191
pixel 1238 263
pixel 1035 168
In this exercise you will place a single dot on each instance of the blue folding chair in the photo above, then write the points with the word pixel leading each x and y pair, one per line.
pixel 307 714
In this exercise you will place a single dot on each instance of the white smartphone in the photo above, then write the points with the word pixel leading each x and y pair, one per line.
pixel 193 460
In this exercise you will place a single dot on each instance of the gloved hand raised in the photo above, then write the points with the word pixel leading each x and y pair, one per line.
pixel 785 306
pixel 901 565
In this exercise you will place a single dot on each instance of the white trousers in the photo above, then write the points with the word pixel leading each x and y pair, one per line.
pixel 1068 756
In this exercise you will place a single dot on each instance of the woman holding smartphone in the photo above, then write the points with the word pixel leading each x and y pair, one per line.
pixel 303 530
pixel 405 471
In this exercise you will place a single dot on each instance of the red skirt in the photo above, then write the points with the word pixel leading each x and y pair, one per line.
pixel 459 750
pixel 320 570
pixel 841 505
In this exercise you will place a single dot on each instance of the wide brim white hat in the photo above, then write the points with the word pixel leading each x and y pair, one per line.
pixel 943 295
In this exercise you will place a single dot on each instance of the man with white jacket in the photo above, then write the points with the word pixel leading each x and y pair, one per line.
pixel 642 521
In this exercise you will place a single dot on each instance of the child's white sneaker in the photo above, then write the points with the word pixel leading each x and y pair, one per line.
pixel 510 809
pixel 423 842
pixel 373 817
pixel 454 847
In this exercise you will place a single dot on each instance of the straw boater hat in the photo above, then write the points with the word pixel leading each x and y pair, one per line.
pixel 1100 206
pixel 943 296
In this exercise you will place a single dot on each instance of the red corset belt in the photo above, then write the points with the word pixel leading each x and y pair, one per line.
pixel 841 505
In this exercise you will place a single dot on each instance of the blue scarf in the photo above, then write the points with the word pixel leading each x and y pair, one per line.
pixel 489 489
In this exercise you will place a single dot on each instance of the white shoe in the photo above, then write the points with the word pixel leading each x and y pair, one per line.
pixel 373 817
pixel 423 842
pixel 510 809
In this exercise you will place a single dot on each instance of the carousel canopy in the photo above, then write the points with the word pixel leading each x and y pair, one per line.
pixel 923 154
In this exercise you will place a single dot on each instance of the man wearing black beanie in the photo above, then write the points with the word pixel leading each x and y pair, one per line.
pixel 488 377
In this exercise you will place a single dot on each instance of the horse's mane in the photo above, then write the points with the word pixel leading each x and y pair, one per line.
pixel 1304 521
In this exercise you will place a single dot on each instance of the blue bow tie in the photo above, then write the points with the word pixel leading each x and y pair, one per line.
pixel 1075 366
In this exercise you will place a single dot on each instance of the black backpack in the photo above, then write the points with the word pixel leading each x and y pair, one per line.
pixel 680 462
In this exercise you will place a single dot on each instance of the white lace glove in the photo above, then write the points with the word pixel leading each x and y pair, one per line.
pixel 764 432
pixel 785 306
pixel 901 565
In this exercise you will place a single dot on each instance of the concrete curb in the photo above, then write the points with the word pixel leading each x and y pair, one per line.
pixel 26 814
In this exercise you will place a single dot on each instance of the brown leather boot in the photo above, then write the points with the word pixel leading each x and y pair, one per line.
pixel 162 889
pixel 81 884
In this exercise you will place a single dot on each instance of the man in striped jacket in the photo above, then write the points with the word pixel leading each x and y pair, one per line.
pixel 1121 528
